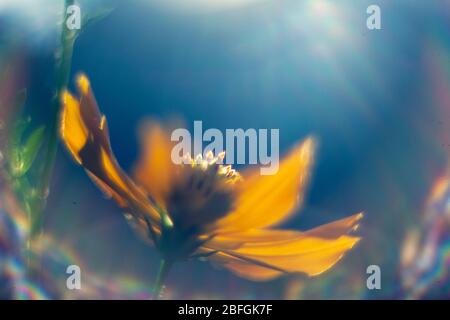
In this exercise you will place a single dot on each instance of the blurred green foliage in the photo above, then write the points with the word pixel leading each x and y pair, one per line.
pixel 22 149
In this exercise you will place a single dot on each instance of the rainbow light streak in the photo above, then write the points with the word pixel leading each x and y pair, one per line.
pixel 430 266
pixel 55 258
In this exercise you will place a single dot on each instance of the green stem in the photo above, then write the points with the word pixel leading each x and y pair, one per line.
pixel 164 268
pixel 63 66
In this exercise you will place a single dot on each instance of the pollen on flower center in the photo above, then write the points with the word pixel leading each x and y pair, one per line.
pixel 202 193
pixel 211 165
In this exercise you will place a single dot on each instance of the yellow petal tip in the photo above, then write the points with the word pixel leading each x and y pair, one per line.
pixel 83 83
pixel 65 96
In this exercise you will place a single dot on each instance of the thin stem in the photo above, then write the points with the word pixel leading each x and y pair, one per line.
pixel 63 66
pixel 62 73
pixel 164 268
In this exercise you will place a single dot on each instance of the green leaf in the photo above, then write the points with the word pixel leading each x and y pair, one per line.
pixel 31 148
pixel 22 156
pixel 19 128
pixel 14 146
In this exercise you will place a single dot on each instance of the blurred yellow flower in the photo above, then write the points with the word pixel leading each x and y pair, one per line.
pixel 203 209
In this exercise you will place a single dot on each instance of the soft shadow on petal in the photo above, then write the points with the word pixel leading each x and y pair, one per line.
pixel 264 201
pixel 84 131
pixel 245 268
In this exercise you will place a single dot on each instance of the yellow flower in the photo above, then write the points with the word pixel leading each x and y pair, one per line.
pixel 203 209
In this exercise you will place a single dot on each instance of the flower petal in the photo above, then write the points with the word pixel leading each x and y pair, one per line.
pixel 264 201
pixel 84 131
pixel 155 167
pixel 332 230
pixel 311 256
pixel 264 254
pixel 73 130
pixel 337 228
pixel 244 268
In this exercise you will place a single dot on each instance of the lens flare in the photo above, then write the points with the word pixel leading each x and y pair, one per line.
pixel 426 260
pixel 16 282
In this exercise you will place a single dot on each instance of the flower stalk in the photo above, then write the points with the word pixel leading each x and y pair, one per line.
pixel 161 277
pixel 63 66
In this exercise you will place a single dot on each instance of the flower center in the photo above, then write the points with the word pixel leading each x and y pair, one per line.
pixel 202 193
